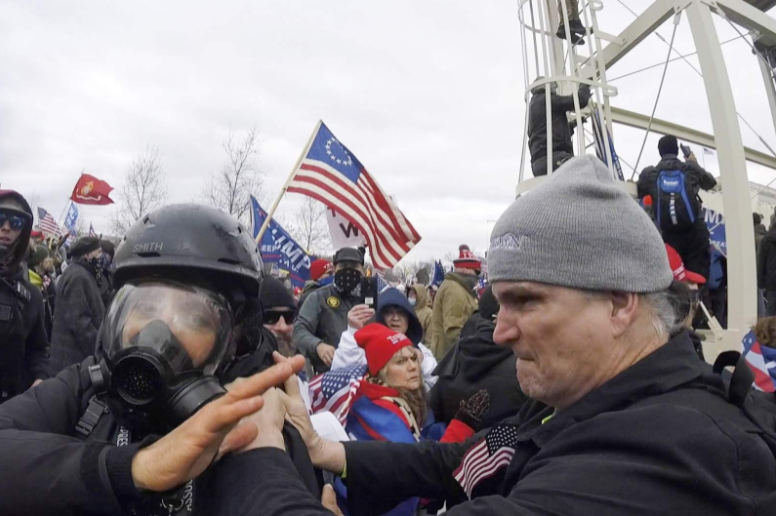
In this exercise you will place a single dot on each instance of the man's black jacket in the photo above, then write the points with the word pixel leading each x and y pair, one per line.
pixel 660 438
pixel 561 130
pixel 24 345
pixel 697 178
pixel 475 363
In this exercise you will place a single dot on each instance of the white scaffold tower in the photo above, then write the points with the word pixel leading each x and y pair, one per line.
pixel 548 60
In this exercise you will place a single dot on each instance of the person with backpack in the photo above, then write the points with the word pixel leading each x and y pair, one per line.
pixel 674 185
pixel 143 426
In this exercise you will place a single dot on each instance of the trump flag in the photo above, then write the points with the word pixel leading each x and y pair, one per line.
pixel 278 247
pixel 331 174
pixel 762 361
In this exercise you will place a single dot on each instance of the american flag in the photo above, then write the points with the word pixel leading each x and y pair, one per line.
pixel 92 232
pixel 762 362
pixel 334 391
pixel 483 460
pixel 47 223
pixel 331 174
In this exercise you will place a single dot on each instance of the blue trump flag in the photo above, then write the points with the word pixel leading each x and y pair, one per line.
pixel 439 274
pixel 277 246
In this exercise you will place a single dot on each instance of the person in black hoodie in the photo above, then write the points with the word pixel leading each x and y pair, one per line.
pixel 24 359
pixel 476 363
pixel 80 309
pixel 766 269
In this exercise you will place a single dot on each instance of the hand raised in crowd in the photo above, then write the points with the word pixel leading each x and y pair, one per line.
pixel 188 450
pixel 324 454
pixel 359 315
pixel 325 352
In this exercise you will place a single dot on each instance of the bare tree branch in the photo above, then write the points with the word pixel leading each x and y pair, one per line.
pixel 310 227
pixel 230 188
pixel 144 189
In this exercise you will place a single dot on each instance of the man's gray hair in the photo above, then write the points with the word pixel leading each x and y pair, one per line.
pixel 662 308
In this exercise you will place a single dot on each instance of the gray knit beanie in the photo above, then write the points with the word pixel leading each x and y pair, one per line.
pixel 580 230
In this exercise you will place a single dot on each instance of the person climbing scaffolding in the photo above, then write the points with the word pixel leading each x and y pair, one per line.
pixel 575 24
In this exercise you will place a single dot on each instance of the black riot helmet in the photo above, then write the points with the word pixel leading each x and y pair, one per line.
pixel 182 273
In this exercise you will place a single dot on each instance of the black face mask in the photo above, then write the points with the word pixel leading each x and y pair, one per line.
pixel 346 280
pixel 153 385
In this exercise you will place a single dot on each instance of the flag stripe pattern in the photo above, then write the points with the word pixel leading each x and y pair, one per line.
pixel 47 223
pixel 762 361
pixel 334 391
pixel 483 460
pixel 331 174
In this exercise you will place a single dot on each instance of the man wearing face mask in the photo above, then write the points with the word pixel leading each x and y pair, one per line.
pixel 24 351
pixel 324 315
pixel 128 431
pixel 80 308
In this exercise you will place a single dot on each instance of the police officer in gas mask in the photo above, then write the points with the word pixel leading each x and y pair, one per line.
pixel 324 315
pixel 145 425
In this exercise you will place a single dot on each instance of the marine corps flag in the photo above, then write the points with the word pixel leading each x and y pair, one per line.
pixel 90 190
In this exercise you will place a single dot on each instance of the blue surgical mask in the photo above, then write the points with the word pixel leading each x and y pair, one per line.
pixel 413 301
pixel 326 281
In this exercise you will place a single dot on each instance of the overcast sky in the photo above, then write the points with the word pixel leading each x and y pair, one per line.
pixel 428 95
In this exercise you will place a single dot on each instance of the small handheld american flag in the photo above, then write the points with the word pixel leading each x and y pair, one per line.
pixel 483 460
pixel 334 391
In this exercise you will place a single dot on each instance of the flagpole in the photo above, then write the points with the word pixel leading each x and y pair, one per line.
pixel 271 211
pixel 67 203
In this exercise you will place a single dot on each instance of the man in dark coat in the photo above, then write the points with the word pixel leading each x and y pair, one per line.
pixel 624 418
pixel 80 307
pixel 766 270
pixel 476 363
pixel 24 359
pixel 692 243
pixel 562 130
pixel 324 315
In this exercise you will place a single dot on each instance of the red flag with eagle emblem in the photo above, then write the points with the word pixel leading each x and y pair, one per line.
pixel 90 190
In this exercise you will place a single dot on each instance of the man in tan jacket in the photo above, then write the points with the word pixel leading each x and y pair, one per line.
pixel 421 302
pixel 455 302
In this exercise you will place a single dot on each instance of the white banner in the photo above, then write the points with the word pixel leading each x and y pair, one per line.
pixel 343 232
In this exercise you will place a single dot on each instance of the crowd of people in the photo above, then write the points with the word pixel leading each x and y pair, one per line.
pixel 171 375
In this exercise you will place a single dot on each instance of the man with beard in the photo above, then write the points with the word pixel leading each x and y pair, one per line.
pixel 324 315
pixel 80 309
pixel 279 313
pixel 24 352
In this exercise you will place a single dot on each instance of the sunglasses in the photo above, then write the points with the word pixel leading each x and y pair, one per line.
pixel 16 222
pixel 273 316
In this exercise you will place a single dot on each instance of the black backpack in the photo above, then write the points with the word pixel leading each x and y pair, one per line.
pixel 676 208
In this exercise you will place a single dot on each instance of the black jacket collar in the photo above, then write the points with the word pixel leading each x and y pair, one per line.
pixel 672 365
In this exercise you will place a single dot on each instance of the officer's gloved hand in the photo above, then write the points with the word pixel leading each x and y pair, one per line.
pixel 187 451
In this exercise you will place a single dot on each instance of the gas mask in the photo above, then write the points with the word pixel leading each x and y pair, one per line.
pixel 347 280
pixel 162 344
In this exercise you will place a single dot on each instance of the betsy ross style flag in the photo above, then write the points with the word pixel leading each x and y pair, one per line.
pixel 331 174
pixel 47 223
pixel 762 361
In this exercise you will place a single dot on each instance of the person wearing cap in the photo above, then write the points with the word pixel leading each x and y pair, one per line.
pixel 687 297
pixel 106 271
pixel 681 219
pixel 324 315
pixel 321 274
pixel 394 312
pixel 24 359
pixel 41 271
pixel 80 308
pixel 279 313
pixel 624 418
pixel 455 302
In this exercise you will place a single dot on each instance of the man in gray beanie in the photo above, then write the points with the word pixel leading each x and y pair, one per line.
pixel 623 420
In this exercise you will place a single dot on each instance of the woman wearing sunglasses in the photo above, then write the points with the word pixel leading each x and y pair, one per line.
pixel 24 344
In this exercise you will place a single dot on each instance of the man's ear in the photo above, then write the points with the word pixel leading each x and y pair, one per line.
pixel 625 308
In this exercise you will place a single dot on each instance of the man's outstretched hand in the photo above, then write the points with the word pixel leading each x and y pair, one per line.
pixel 188 450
